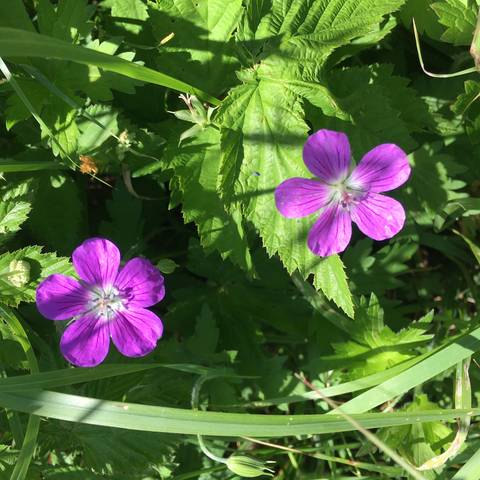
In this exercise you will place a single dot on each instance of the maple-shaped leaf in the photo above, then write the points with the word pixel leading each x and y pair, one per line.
pixel 374 346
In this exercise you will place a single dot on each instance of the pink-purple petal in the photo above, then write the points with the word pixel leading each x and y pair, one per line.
pixel 327 155
pixel 60 297
pixel 382 169
pixel 135 331
pixel 85 342
pixel 141 283
pixel 331 233
pixel 378 216
pixel 97 261
pixel 299 197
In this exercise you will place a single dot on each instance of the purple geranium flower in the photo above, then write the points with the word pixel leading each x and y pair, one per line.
pixel 106 302
pixel 345 194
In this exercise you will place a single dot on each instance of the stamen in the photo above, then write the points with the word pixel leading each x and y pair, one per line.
pixel 106 302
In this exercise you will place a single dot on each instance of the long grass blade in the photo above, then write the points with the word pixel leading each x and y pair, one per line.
pixel 20 43
pixel 33 425
pixel 95 411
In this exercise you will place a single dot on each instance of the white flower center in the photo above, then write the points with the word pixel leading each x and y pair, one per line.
pixel 105 302
pixel 348 195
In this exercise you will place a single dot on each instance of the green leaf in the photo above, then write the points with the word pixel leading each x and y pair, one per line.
pixel 41 265
pixel 198 163
pixel 14 14
pixel 125 452
pixel 373 346
pixel 128 9
pixel 60 119
pixel 473 246
pixel 16 110
pixel 418 443
pixel 201 50
pixel 438 361
pixel 334 22
pixel 377 271
pixel 12 215
pixel 432 183
pixel 57 218
pixel 92 135
pixel 264 120
pixel 381 106
pixel 425 18
pixel 459 19
pixel 126 222
pixel 15 204
pixel 148 418
pixel 67 21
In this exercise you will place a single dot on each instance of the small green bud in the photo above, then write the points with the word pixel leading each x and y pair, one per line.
pixel 166 265
pixel 248 467
pixel 19 273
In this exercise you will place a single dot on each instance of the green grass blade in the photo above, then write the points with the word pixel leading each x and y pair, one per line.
pixel 33 425
pixel 150 418
pixel 71 376
pixel 471 470
pixel 20 43
pixel 456 351
pixel 343 388
pixel 12 166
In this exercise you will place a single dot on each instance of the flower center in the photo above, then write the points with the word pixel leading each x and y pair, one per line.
pixel 348 195
pixel 105 302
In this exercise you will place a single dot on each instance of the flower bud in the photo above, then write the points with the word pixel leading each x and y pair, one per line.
pixel 249 467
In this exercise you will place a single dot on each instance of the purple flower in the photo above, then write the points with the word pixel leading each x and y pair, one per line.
pixel 344 194
pixel 107 301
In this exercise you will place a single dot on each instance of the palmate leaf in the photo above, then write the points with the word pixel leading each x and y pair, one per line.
pixel 197 166
pixel 374 346
pixel 271 137
pixel 459 19
pixel 262 127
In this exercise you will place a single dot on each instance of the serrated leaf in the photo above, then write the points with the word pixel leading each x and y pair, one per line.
pixel 41 265
pixel 380 271
pixel 270 130
pixel 128 9
pixel 425 18
pixel 221 229
pixel 374 346
pixel 459 19
pixel 381 107
pixel 12 215
pixel 432 183
pixel 201 49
